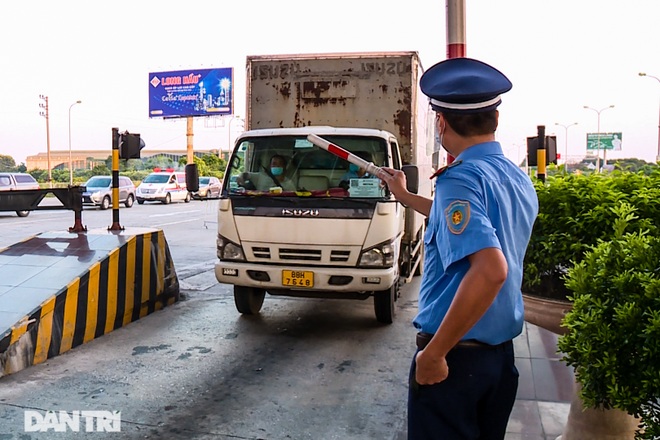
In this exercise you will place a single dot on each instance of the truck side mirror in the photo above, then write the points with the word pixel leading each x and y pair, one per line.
pixel 412 177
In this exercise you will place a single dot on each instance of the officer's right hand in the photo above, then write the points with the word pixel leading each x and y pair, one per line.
pixel 396 181
pixel 430 369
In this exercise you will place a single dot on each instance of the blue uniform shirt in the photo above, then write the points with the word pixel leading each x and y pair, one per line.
pixel 482 200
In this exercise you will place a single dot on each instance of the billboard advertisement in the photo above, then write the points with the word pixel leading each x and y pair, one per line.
pixel 200 92
pixel 604 141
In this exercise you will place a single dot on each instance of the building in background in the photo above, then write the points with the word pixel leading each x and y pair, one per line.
pixel 88 159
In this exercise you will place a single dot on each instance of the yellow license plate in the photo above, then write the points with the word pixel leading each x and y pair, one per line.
pixel 297 278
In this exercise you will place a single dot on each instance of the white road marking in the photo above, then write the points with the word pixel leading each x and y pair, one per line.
pixel 176 223
pixel 174 213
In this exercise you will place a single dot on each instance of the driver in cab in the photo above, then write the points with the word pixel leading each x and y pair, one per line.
pixel 268 178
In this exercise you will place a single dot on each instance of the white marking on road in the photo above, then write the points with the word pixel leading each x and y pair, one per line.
pixel 176 223
pixel 174 213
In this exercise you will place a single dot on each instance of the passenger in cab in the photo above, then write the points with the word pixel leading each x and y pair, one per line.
pixel 355 172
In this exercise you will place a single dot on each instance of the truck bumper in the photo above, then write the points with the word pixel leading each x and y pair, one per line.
pixel 329 279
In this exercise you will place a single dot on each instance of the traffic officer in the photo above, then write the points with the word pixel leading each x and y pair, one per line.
pixel 463 379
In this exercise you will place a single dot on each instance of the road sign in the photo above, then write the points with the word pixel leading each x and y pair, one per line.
pixel 608 141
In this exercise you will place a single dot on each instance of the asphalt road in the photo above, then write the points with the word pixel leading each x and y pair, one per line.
pixel 302 369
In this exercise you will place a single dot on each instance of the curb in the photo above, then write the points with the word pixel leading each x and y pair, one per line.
pixel 133 279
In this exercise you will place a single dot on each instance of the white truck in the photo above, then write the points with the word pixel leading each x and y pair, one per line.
pixel 328 238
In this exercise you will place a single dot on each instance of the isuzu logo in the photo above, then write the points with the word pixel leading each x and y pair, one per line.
pixel 300 212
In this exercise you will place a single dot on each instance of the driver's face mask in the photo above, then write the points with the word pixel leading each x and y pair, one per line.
pixel 276 171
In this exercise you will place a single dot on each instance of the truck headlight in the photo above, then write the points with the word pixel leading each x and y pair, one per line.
pixel 228 250
pixel 381 255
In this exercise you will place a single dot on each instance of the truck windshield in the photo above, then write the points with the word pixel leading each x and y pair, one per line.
pixel 293 166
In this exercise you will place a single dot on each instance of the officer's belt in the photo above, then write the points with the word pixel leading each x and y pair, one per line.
pixel 423 339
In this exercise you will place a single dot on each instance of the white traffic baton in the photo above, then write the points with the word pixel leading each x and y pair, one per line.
pixel 348 156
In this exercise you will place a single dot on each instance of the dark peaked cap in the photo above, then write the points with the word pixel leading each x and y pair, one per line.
pixel 464 85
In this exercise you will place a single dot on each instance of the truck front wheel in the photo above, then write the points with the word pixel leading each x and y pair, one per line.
pixel 384 304
pixel 248 299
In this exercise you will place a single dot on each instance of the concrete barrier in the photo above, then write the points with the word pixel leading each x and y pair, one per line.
pixel 59 290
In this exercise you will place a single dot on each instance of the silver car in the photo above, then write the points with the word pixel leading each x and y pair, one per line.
pixel 98 191
pixel 18 181
pixel 209 188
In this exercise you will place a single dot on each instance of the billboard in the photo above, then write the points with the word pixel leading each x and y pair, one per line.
pixel 608 141
pixel 200 92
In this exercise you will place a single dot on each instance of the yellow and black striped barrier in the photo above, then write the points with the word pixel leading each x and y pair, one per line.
pixel 122 277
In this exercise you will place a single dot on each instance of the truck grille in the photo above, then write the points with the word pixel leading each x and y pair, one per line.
pixel 292 255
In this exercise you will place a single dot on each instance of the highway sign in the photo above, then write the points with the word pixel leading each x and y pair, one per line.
pixel 608 141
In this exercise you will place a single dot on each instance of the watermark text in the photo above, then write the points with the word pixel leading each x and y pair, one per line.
pixel 63 421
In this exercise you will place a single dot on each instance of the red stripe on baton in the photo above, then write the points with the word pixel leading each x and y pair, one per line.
pixel 338 151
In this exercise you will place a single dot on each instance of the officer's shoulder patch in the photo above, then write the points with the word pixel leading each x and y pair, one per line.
pixel 445 168
pixel 458 216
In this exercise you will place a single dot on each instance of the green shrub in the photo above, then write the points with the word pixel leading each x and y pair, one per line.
pixel 613 329
pixel 575 211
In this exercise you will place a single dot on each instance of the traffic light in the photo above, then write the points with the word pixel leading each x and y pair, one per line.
pixel 550 147
pixel 130 145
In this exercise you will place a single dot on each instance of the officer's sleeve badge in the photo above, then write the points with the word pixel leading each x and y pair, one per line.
pixel 457 215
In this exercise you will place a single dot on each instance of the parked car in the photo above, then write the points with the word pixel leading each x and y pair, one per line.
pixel 163 186
pixel 209 188
pixel 18 181
pixel 98 191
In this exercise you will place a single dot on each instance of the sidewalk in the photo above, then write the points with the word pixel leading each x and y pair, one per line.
pixel 545 389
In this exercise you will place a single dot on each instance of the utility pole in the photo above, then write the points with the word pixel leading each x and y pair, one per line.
pixel 70 154
pixel 456 40
pixel 657 157
pixel 44 113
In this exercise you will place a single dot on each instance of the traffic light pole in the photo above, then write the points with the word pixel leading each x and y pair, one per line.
pixel 540 153
pixel 115 182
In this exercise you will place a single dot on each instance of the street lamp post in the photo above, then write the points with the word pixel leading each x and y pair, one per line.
pixel 598 138
pixel 44 113
pixel 657 157
pixel 566 127
pixel 70 154
pixel 229 135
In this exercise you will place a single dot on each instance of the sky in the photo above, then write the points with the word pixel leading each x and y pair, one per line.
pixel 560 55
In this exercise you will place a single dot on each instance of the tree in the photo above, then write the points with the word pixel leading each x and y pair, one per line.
pixel 100 170
pixel 7 163
pixel 159 161
pixel 216 165
pixel 613 337
pixel 633 165
pixel 40 175
pixel 207 165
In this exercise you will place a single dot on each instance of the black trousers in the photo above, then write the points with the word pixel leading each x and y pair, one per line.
pixel 473 403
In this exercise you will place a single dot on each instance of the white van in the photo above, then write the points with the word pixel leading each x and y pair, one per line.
pixel 163 186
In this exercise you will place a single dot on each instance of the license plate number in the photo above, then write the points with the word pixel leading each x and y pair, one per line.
pixel 297 278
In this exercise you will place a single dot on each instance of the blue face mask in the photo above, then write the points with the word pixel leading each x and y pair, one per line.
pixel 276 171
pixel 353 168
